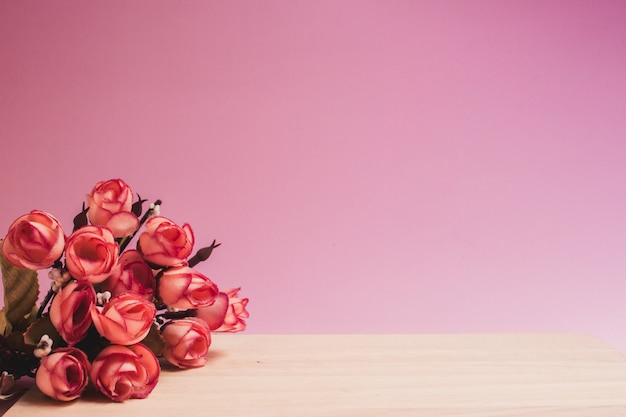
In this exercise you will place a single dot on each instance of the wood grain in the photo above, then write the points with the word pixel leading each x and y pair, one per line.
pixel 490 375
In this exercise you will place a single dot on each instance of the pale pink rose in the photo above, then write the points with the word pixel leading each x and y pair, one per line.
pixel 132 274
pixel 91 254
pixel 110 204
pixel 165 243
pixel 228 312
pixel 63 374
pixel 123 372
pixel 34 241
pixel 183 287
pixel 70 311
pixel 187 342
pixel 125 319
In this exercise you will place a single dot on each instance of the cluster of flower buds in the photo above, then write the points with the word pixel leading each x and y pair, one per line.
pixel 106 300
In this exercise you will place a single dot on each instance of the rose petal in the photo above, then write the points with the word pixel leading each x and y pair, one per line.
pixel 214 314
pixel 123 224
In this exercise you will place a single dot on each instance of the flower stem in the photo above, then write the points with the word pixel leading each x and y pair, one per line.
pixel 143 219
pixel 45 302
pixel 177 314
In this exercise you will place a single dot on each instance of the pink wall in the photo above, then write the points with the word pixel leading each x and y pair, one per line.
pixel 370 166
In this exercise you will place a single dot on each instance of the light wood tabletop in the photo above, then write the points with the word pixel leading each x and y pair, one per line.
pixel 476 375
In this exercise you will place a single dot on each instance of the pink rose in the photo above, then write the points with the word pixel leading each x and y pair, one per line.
pixel 34 241
pixel 183 287
pixel 228 312
pixel 125 319
pixel 164 243
pixel 132 274
pixel 110 204
pixel 123 372
pixel 70 311
pixel 63 374
pixel 187 342
pixel 91 253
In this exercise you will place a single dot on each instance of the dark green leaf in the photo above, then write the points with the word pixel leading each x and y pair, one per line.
pixel 92 343
pixel 41 327
pixel 16 357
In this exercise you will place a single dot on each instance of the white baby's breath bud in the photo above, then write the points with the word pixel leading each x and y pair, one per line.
pixel 156 210
pixel 103 297
pixel 59 276
pixel 173 309
pixel 44 347
pixel 54 274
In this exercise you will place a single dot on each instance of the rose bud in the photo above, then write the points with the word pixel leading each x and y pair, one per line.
pixel 125 319
pixel 91 253
pixel 132 274
pixel 164 243
pixel 123 372
pixel 63 374
pixel 183 287
pixel 227 313
pixel 187 342
pixel 110 204
pixel 34 241
pixel 70 311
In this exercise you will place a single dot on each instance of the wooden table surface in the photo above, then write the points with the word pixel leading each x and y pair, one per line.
pixel 493 375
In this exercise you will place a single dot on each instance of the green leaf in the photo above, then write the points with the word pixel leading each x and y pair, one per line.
pixel 5 328
pixel 21 290
pixel 153 340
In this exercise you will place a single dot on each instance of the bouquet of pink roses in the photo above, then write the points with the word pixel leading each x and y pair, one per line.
pixel 111 312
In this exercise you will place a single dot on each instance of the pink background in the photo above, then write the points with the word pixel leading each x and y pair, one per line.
pixel 369 166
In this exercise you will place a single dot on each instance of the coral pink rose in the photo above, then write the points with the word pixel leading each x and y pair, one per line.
pixel 70 311
pixel 110 204
pixel 187 342
pixel 123 372
pixel 183 287
pixel 125 319
pixel 91 253
pixel 63 374
pixel 132 274
pixel 164 243
pixel 228 312
pixel 35 240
